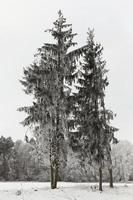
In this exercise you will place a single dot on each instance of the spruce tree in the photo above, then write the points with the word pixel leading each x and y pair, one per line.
pixel 46 80
pixel 95 131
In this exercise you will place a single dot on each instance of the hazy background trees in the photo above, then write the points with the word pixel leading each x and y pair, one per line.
pixel 6 150
pixel 24 163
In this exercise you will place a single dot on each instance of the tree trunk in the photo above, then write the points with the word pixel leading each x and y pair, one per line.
pixel 111 177
pixel 100 179
pixel 54 175
pixel 110 166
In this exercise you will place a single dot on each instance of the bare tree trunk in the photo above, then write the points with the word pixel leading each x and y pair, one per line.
pixel 55 152
pixel 100 179
pixel 54 163
pixel 110 166
pixel 111 177
pixel 54 175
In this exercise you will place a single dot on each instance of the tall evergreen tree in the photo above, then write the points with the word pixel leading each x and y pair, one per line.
pixel 46 79
pixel 93 118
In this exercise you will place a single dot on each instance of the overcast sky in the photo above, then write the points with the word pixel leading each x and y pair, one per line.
pixel 22 25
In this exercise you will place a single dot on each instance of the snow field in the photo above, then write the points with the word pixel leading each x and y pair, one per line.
pixel 65 191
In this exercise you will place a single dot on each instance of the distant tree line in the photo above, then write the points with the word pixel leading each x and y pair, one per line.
pixel 20 161
pixel 68 110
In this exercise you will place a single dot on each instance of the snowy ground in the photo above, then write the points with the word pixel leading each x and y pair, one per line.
pixel 66 191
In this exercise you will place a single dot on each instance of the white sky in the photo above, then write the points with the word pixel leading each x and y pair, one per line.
pixel 22 25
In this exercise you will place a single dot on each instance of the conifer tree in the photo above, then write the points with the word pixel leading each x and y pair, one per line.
pixel 95 131
pixel 46 80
